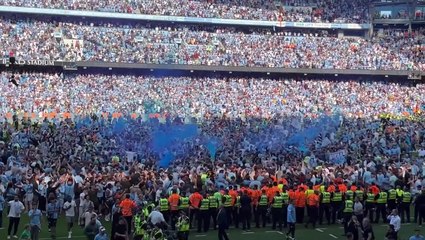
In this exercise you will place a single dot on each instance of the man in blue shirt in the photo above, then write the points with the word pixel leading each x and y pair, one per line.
pixel 291 219
pixel 52 216
pixel 417 235
pixel 101 235
pixel 35 221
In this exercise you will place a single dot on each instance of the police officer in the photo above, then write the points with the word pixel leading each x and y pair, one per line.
pixel 370 204
pixel 184 203
pixel 405 205
pixel 349 195
pixel 183 226
pixel 336 202
pixel 140 226
pixel 164 207
pixel 227 199
pixel 214 203
pixel 157 234
pixel 381 209
pixel 360 195
pixel 392 199
pixel 285 198
pixel 204 216
pixel 348 212
pixel 277 204
pixel 325 206
pixel 262 209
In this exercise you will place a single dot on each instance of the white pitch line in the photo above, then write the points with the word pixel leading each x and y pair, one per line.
pixel 248 233
pixel 318 229
pixel 73 237
pixel 201 235
pixel 333 236
pixel 281 233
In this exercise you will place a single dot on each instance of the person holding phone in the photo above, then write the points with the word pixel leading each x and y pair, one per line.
pixel 353 227
pixel 395 220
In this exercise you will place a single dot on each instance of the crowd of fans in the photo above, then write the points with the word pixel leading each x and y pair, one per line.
pixel 206 96
pixel 263 130
pixel 210 46
pixel 344 11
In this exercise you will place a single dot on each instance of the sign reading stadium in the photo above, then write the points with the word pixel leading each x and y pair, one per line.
pixel 31 62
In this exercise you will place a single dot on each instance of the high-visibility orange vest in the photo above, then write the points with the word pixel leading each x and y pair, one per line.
pixel 234 195
pixel 342 188
pixel 174 201
pixel 301 199
pixel 256 194
pixel 292 194
pixel 313 200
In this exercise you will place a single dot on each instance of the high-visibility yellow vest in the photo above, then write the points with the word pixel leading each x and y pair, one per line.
pixel 137 219
pixel 285 197
pixel 219 197
pixel 228 202
pixel 326 197
pixel 140 228
pixel 184 203
pixel 337 197
pixel 309 192
pixel 183 224
pixel 157 234
pixel 145 212
pixel 163 204
pixel 392 194
pixel 370 198
pixel 407 197
pixel 204 177
pixel 360 195
pixel 205 204
pixel 213 202
pixel 348 206
pixel 238 201
pixel 399 192
pixel 383 197
pixel 278 201
pixel 349 194
pixel 322 188
pixel 263 200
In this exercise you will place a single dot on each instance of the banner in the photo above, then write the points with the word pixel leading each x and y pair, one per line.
pixel 31 62
pixel 338 157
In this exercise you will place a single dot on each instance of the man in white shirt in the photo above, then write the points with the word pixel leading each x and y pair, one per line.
pixel 69 207
pixel 88 216
pixel 156 217
pixel 16 208
pixel 395 220
pixel 358 209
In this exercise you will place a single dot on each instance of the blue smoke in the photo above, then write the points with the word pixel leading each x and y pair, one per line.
pixel 119 126
pixel 212 147
pixel 166 159
pixel 83 122
pixel 309 133
pixel 169 137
